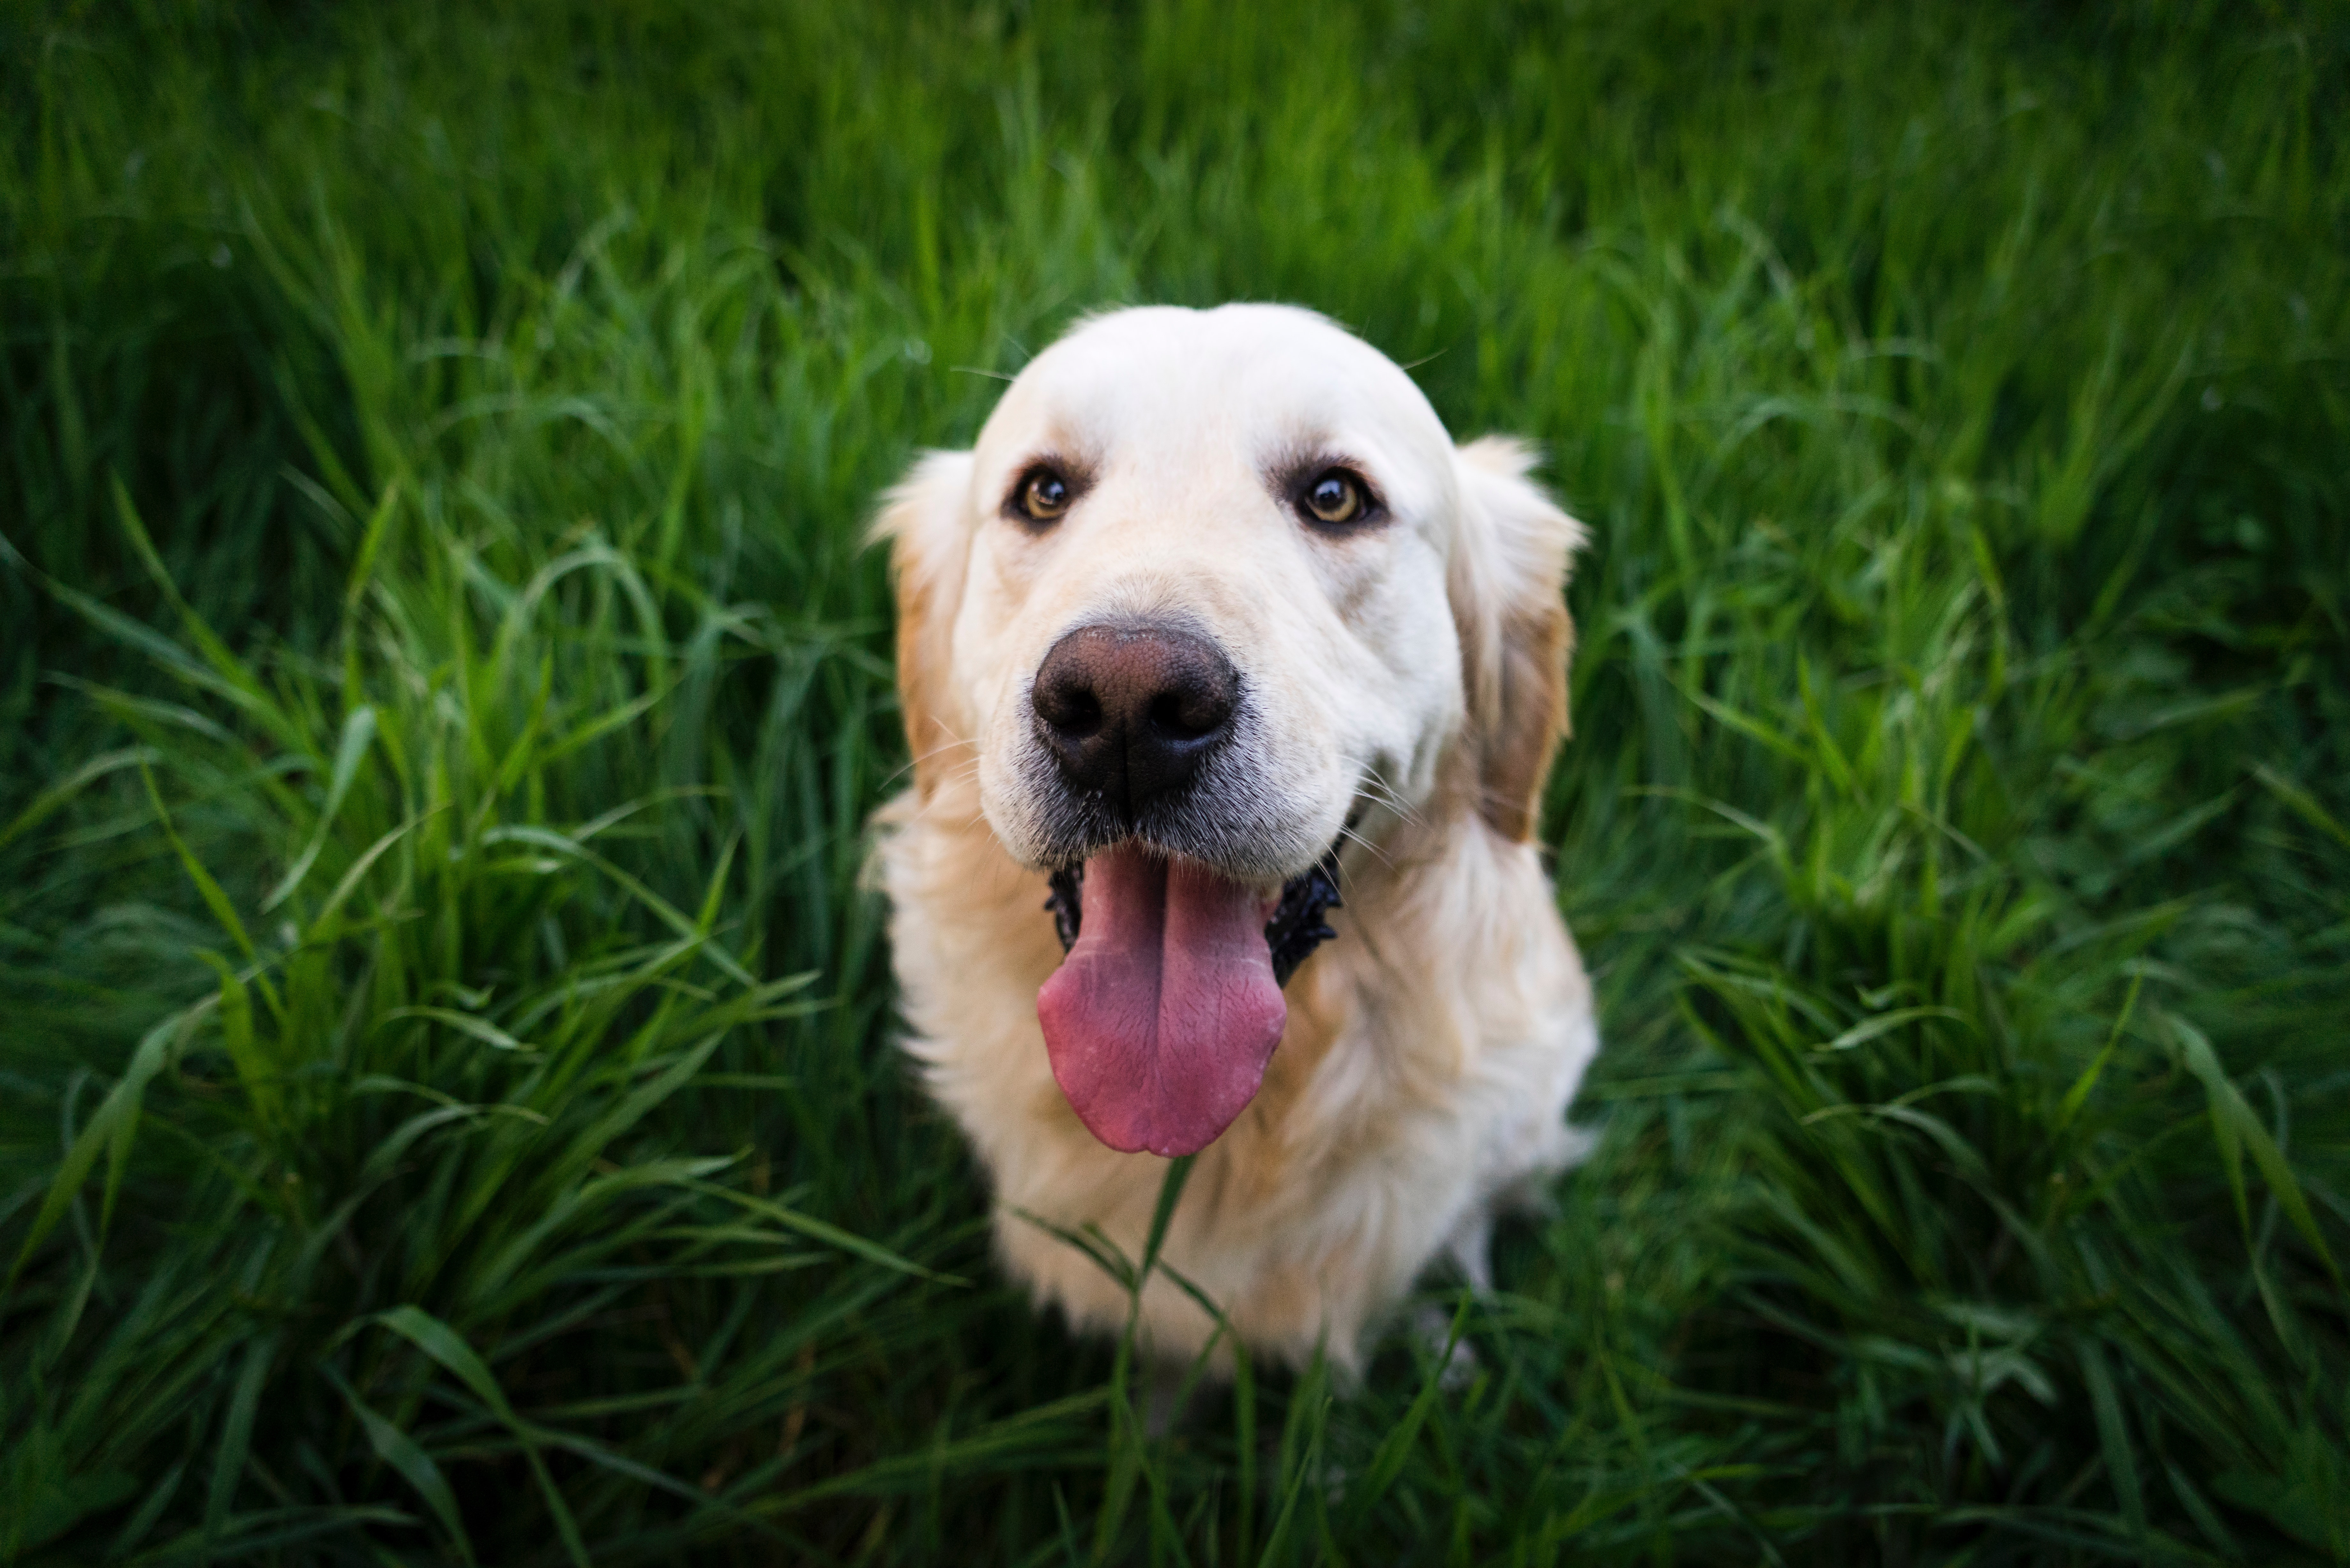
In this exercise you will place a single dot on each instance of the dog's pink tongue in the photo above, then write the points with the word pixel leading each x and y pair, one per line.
pixel 1162 1017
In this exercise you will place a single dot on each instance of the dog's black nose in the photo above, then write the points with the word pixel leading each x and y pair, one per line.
pixel 1130 713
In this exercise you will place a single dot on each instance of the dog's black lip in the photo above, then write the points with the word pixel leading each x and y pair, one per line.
pixel 1296 928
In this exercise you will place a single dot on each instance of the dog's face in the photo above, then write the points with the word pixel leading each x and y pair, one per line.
pixel 1174 458
pixel 1213 588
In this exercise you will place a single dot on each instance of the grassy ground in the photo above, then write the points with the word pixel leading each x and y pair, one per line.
pixel 447 1110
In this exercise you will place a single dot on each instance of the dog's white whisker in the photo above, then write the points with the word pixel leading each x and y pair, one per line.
pixel 1377 853
pixel 1388 796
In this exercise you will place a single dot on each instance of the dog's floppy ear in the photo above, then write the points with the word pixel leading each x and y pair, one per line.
pixel 1509 564
pixel 930 546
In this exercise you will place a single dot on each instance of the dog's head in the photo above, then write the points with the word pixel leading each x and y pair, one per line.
pixel 1214 589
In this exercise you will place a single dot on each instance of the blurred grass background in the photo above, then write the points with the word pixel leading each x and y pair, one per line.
pixel 447 1109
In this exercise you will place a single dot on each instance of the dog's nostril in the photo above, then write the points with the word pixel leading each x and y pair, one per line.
pixel 1071 710
pixel 1188 713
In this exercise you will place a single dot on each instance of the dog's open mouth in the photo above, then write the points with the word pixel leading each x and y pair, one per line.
pixel 1161 1019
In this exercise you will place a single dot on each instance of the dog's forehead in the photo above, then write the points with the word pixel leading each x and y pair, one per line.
pixel 1255 379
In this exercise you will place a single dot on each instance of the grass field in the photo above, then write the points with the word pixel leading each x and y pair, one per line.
pixel 447 1104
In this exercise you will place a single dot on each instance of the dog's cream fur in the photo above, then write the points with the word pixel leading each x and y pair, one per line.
pixel 1409 676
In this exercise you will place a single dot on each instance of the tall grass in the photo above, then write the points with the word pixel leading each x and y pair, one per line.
pixel 447 1110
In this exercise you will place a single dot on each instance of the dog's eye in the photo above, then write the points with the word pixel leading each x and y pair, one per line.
pixel 1334 497
pixel 1044 495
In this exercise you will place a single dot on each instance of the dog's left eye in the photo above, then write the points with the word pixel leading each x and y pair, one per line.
pixel 1335 496
pixel 1044 495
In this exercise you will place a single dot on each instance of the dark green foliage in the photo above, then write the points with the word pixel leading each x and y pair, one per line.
pixel 446 1104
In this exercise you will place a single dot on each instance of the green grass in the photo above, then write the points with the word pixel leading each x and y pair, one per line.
pixel 447 1106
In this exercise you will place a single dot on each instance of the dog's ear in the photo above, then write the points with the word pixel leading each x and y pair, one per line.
pixel 929 548
pixel 1509 566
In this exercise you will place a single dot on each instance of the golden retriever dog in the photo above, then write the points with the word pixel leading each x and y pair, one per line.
pixel 1231 684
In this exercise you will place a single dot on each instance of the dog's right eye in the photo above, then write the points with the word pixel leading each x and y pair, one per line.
pixel 1044 495
pixel 1336 498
